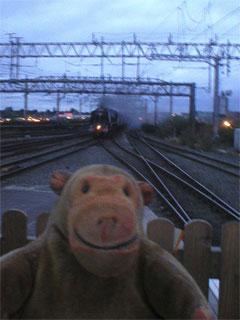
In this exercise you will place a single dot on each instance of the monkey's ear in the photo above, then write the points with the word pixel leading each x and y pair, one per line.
pixel 147 192
pixel 58 181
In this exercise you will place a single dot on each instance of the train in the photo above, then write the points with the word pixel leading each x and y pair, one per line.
pixel 104 121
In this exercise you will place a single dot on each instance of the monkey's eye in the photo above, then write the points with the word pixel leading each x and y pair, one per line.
pixel 85 188
pixel 126 192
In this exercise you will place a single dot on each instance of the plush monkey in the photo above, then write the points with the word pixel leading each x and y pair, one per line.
pixel 93 261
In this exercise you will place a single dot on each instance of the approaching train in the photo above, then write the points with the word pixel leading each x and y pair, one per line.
pixel 104 121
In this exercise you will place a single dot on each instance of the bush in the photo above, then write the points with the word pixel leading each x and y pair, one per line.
pixel 201 139
pixel 148 128
pixel 172 127
pixel 178 130
pixel 226 135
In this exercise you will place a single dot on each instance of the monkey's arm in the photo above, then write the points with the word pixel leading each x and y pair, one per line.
pixel 16 282
pixel 170 289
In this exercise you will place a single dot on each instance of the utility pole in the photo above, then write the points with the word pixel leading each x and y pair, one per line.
pixel 192 106
pixel 14 56
pixel 123 71
pixel 11 54
pixel 26 101
pixel 146 112
pixel 155 109
pixel 58 103
pixel 171 101
pixel 216 98
pixel 102 59
pixel 80 107
pixel 17 56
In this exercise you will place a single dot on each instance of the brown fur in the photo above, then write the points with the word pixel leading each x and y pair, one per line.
pixel 62 276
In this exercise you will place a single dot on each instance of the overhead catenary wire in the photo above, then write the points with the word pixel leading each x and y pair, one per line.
pixel 229 14
pixel 204 14
pixel 229 30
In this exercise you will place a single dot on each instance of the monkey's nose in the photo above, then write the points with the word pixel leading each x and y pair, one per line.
pixel 110 221
pixel 107 228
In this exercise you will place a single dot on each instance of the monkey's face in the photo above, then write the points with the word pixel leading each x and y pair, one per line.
pixel 103 226
pixel 100 211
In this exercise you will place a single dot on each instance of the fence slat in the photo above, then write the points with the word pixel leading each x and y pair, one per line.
pixel 161 231
pixel 201 260
pixel 14 230
pixel 197 251
pixel 41 223
pixel 230 273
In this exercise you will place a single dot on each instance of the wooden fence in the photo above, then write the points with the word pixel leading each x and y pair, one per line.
pixel 200 258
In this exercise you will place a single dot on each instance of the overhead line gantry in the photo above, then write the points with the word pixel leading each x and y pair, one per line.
pixel 83 85
pixel 210 52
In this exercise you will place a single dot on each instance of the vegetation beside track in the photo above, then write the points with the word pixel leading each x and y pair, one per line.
pixel 178 130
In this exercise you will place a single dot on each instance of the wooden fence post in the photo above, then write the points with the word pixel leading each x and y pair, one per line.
pixel 161 231
pixel 14 230
pixel 230 273
pixel 41 223
pixel 197 252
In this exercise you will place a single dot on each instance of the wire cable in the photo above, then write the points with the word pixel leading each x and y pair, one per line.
pixel 218 21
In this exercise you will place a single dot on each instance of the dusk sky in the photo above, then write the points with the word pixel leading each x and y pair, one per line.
pixel 117 20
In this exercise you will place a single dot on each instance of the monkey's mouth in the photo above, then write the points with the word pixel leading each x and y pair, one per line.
pixel 115 247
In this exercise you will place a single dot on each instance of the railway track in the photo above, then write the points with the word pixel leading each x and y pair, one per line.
pixel 189 181
pixel 14 167
pixel 169 200
pixel 160 173
pixel 184 218
pixel 221 165
pixel 17 146
pixel 35 130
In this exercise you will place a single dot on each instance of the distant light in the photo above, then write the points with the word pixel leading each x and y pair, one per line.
pixel 47 119
pixel 36 120
pixel 31 119
pixel 98 127
pixel 227 124
pixel 173 115
pixel 23 119
pixel 1 120
pixel 140 118
pixel 83 118
pixel 7 119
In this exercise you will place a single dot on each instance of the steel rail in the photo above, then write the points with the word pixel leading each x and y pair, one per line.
pixel 170 148
pixel 187 184
pixel 40 154
pixel 189 177
pixel 162 196
pixel 39 133
pixel 38 163
pixel 40 146
pixel 40 140
pixel 170 195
